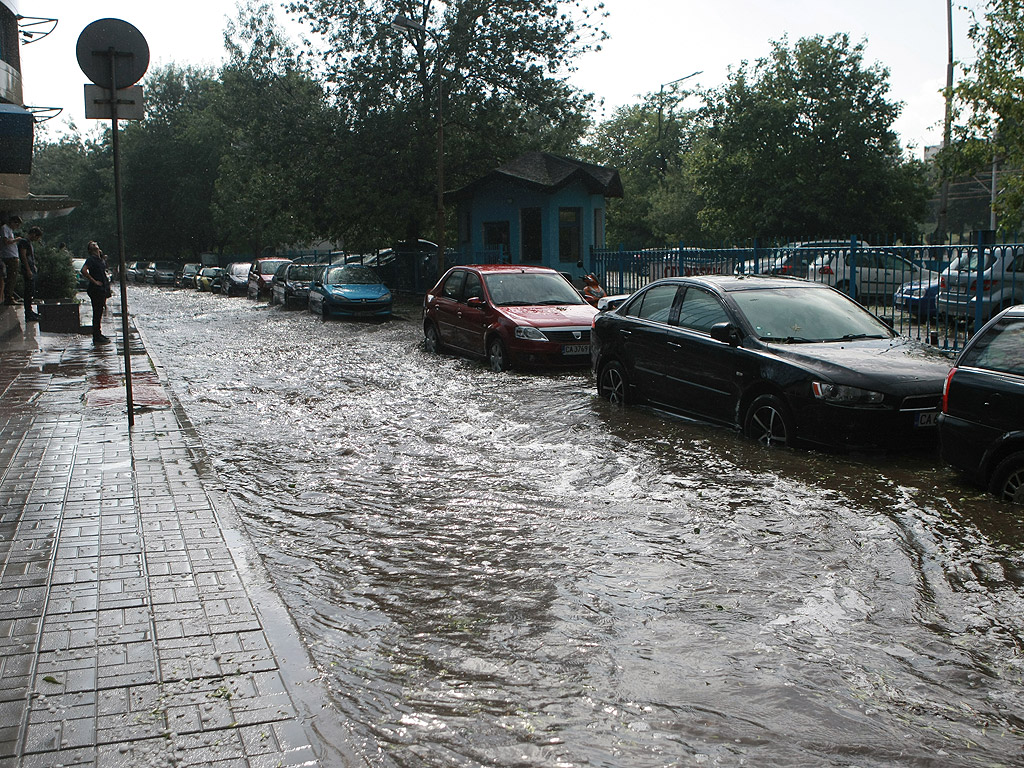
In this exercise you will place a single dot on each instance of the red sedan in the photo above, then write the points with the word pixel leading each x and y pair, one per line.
pixel 509 315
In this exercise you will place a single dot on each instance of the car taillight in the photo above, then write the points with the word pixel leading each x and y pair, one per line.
pixel 945 390
pixel 942 283
pixel 826 270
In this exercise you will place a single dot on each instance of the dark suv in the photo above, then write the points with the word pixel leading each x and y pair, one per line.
pixel 981 427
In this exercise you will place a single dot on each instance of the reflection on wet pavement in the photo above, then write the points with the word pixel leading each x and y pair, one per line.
pixel 502 569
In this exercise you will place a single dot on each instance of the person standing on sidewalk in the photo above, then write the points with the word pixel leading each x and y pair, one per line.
pixel 95 271
pixel 9 255
pixel 29 271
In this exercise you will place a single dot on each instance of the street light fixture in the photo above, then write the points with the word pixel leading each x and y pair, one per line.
pixel 404 23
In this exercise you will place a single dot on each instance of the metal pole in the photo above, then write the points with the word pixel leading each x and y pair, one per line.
pixel 440 161
pixel 995 166
pixel 125 339
pixel 940 228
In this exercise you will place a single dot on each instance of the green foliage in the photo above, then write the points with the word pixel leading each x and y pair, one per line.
pixel 497 66
pixel 56 280
pixel 647 143
pixel 82 169
pixel 170 162
pixel 802 142
pixel 991 97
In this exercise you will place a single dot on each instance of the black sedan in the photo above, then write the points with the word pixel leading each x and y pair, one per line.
pixel 291 283
pixel 981 428
pixel 784 360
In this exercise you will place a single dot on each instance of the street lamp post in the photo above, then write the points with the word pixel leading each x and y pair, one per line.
pixel 405 23
pixel 661 107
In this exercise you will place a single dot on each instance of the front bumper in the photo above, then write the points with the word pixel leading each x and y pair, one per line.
pixel 840 426
pixel 357 308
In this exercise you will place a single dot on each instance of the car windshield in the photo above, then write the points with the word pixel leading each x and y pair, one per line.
pixel 524 289
pixel 807 314
pixel 352 274
pixel 303 272
pixel 270 267
pixel 240 270
pixel 1001 348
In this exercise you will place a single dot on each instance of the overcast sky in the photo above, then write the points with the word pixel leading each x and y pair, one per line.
pixel 652 42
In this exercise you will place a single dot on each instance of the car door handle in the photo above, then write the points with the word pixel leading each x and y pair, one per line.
pixel 675 344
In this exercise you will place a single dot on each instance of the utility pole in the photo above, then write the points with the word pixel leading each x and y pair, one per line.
pixel 947 128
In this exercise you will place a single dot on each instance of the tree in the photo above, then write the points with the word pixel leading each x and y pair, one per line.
pixel 647 143
pixel 991 95
pixel 170 163
pixel 498 63
pixel 83 170
pixel 802 144
pixel 276 172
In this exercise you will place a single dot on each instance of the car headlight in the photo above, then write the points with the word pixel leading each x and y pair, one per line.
pixel 529 332
pixel 843 395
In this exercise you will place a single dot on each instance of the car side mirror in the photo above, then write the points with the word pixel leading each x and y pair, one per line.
pixel 476 301
pixel 727 333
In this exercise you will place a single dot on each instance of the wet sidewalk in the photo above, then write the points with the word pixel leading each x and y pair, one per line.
pixel 137 625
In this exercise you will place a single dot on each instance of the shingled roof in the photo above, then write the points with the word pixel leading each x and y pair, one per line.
pixel 547 172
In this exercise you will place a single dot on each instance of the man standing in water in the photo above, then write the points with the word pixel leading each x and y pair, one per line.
pixel 95 271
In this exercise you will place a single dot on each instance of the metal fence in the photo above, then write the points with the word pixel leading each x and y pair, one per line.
pixel 937 294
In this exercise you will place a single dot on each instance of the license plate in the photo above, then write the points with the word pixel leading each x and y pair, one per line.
pixel 576 349
pixel 927 419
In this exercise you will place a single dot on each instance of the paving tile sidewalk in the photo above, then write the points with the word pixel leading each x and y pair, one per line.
pixel 134 617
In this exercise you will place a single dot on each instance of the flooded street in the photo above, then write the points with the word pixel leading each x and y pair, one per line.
pixel 504 570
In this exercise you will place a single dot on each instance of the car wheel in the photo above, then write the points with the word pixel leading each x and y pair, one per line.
pixel 497 357
pixel 614 385
pixel 843 286
pixel 768 421
pixel 1008 479
pixel 431 339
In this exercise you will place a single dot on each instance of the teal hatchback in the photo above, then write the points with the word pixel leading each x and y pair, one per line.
pixel 350 290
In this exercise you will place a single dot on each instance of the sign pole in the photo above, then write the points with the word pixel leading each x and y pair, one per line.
pixel 125 337
pixel 109 51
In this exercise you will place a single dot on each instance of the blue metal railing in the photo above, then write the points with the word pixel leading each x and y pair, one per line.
pixel 937 294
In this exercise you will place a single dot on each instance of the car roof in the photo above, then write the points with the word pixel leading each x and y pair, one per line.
pixel 509 268
pixel 746 282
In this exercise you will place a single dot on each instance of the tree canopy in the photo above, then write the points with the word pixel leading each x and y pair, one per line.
pixel 802 143
pixel 500 66
pixel 991 96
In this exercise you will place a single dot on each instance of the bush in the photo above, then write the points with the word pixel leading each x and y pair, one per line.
pixel 57 280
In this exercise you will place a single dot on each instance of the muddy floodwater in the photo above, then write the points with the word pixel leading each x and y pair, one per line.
pixel 504 570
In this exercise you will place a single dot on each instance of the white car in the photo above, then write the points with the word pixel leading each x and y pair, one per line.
pixel 1002 284
pixel 879 272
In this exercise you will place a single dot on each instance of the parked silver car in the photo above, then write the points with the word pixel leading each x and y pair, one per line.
pixel 1000 270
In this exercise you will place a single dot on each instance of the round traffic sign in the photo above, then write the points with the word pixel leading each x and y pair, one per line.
pixel 115 38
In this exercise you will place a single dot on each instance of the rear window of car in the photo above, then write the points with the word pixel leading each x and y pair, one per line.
pixel 654 304
pixel 269 267
pixel 1000 348
pixel 304 271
